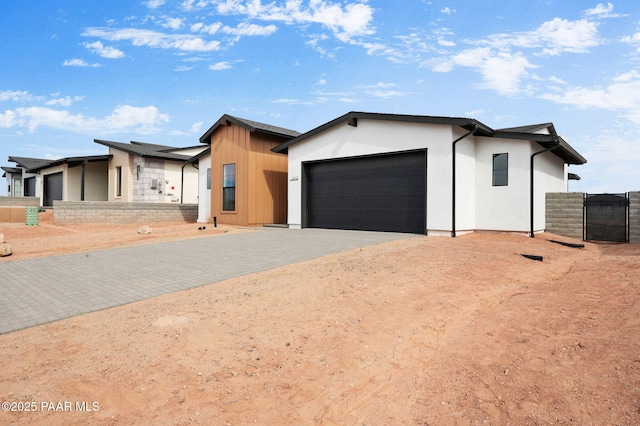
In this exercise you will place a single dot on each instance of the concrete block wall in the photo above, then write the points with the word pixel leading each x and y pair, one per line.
pixel 634 217
pixel 564 214
pixel 19 201
pixel 70 212
pixel 150 169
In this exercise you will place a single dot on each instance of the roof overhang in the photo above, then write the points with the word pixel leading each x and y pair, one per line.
pixel 351 118
pixel 546 140
pixel 563 149
pixel 74 161
pixel 252 126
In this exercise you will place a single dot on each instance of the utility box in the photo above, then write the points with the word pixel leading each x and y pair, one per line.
pixel 31 216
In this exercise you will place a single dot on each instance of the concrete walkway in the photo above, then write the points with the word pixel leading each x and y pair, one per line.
pixel 37 291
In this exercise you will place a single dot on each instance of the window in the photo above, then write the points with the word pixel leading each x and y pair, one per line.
pixel 118 181
pixel 138 172
pixel 209 178
pixel 500 168
pixel 229 187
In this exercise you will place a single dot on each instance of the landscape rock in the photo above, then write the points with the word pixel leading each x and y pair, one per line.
pixel 5 249
pixel 2 241
pixel 144 230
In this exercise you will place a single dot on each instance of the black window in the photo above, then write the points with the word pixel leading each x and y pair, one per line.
pixel 229 187
pixel 500 169
pixel 118 181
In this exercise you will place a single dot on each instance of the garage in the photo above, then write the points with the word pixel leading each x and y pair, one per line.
pixel 384 192
pixel 52 188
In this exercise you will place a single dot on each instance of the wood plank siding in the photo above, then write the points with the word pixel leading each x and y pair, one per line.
pixel 261 176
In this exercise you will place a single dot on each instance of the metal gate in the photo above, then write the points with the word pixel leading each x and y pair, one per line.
pixel 606 217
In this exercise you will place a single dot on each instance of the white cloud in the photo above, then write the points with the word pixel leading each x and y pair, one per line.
pixel 66 101
pixel 16 96
pixel 104 51
pixel 220 66
pixel 502 59
pixel 75 62
pixel 125 118
pixel 382 90
pixel 549 39
pixel 447 11
pixel 345 22
pixel 173 23
pixel 622 94
pixel 154 4
pixel 8 119
pixel 154 39
pixel 208 29
pixel 602 11
pixel 195 127
pixel 502 71
pixel 183 68
pixel 246 29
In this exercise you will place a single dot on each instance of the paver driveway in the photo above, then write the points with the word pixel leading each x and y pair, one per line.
pixel 37 291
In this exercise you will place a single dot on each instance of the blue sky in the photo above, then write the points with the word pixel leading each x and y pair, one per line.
pixel 164 71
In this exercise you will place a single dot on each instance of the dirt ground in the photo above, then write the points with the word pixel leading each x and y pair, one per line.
pixel 424 331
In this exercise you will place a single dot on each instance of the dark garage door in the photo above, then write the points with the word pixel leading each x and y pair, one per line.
pixel 374 193
pixel 52 188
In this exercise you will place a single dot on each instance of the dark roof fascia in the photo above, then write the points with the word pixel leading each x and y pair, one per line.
pixel 28 163
pixel 74 161
pixel 252 126
pixel 564 151
pixel 532 128
pixel 154 154
pixel 12 170
pixel 478 128
pixel 573 176
pixel 197 157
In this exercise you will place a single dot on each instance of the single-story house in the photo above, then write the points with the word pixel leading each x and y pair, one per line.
pixel 68 179
pixel 424 174
pixel 144 172
pixel 21 181
pixel 242 180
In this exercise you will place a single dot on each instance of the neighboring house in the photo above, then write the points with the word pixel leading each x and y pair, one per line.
pixel 144 172
pixel 68 179
pixel 21 182
pixel 248 181
pixel 424 174
pixel 14 181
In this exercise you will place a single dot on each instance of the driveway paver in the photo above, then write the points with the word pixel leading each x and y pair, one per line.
pixel 37 291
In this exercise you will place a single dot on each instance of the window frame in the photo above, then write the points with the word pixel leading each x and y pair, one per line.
pixel 118 181
pixel 228 189
pixel 500 173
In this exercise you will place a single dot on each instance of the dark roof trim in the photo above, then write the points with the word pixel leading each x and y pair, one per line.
pixel 146 150
pixel 352 119
pixel 12 170
pixel 573 176
pixel 252 126
pixel 197 157
pixel 73 161
pixel 28 163
pixel 564 151
pixel 532 128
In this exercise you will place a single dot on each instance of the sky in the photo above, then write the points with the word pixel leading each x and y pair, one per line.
pixel 162 71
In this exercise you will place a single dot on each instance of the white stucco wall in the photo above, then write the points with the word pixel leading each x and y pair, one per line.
pixel 373 137
pixel 204 194
pixel 479 204
pixel 550 175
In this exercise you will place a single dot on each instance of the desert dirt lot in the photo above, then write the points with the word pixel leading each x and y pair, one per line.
pixel 425 331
